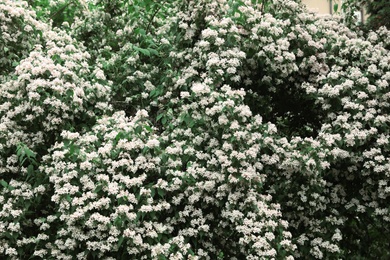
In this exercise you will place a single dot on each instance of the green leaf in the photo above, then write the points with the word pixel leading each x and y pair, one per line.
pixel 19 149
pixel 161 192
pixel 30 169
pixel 140 31
pixel 73 149
pixel 187 118
pixel 68 198
pixel 143 51
pixel 69 93
pixel 4 183
pixel 8 235
pixel 119 136
pixel 191 252
pixel 148 128
pixel 29 153
pixel 154 52
pixel 159 116
pixel 120 241
pixel 66 142
pixel 118 221
pixel 98 188
pixel 335 7
pixel 153 93
pixel 164 120
pixel 138 129
pixel 23 159
pixel 145 150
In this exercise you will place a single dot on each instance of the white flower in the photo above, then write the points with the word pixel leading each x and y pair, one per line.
pixel 231 70
pixel 152 143
pixel 184 94
pixel 164 41
pixel 200 88
pixel 142 113
pixel 208 33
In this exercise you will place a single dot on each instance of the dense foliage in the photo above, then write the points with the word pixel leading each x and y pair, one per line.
pixel 379 12
pixel 191 130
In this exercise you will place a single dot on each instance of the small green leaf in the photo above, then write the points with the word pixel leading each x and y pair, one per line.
pixel 120 241
pixel 159 116
pixel 143 51
pixel 191 252
pixel 4 183
pixel 140 31
pixel 23 159
pixel 145 150
pixel 98 188
pixel 161 192
pixel 69 93
pixel 153 93
pixel 335 7
pixel 187 118
pixel 154 52
pixel 148 128
pixel 66 142
pixel 29 153
pixel 138 129
pixel 118 221
pixel 8 235
pixel 164 121
pixel 19 150
pixel 119 136
pixel 30 169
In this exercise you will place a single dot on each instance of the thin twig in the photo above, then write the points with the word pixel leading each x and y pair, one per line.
pixel 61 9
pixel 151 20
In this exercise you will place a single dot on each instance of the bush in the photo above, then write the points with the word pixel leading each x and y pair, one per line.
pixel 50 89
pixel 193 130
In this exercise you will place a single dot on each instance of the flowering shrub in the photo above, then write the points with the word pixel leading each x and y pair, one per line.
pixel 121 190
pixel 50 89
pixel 192 130
pixel 46 87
